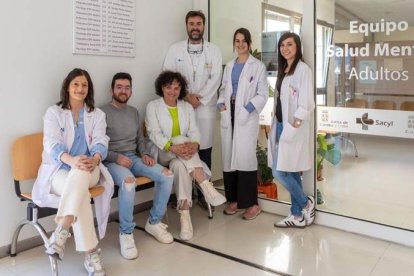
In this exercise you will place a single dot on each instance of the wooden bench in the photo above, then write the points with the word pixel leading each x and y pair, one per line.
pixel 26 160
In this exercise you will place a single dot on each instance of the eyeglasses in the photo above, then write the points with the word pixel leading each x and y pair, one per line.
pixel 199 51
pixel 121 87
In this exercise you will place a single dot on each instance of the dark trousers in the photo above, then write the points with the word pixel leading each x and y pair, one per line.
pixel 205 156
pixel 241 187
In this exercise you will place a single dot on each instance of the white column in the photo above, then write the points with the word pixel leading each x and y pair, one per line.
pixel 308 41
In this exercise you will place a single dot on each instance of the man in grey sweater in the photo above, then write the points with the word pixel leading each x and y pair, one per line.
pixel 129 156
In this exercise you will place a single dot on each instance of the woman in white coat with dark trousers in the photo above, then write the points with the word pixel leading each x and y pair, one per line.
pixel 243 94
pixel 290 140
pixel 74 145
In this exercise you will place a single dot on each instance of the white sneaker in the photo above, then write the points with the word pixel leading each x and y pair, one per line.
pixel 57 241
pixel 128 249
pixel 210 193
pixel 186 232
pixel 291 221
pixel 93 263
pixel 159 231
pixel 309 213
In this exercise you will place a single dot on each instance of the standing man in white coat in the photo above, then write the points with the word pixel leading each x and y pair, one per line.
pixel 200 63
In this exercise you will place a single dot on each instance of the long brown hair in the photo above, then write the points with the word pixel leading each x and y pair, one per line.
pixel 282 62
pixel 64 95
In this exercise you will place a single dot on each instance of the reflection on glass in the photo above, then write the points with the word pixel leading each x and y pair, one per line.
pixel 366 79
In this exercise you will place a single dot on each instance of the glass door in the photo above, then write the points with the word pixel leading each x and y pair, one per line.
pixel 365 125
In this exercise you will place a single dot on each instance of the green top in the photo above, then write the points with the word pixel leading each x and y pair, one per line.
pixel 176 126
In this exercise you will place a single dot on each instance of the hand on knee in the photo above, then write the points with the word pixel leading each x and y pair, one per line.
pixel 167 172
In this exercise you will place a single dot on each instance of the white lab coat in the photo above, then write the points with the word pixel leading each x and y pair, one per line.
pixel 159 122
pixel 204 80
pixel 239 152
pixel 294 150
pixel 59 128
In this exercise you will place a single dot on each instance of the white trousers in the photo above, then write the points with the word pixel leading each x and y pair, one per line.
pixel 73 188
pixel 183 182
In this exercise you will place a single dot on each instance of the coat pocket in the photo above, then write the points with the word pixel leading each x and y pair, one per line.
pixel 243 116
pixel 289 133
pixel 225 118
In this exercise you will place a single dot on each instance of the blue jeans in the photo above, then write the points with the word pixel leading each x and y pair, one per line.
pixel 126 193
pixel 292 182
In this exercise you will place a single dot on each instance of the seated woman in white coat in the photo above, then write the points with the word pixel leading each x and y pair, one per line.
pixel 171 125
pixel 291 145
pixel 243 94
pixel 74 144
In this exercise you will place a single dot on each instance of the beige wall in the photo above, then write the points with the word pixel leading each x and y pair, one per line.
pixel 36 54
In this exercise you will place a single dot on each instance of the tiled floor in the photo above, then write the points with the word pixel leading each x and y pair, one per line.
pixel 316 250
pixel 376 186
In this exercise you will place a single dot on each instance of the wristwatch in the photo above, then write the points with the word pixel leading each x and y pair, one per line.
pixel 297 122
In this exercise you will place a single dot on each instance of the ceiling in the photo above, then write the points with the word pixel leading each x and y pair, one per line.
pixel 371 11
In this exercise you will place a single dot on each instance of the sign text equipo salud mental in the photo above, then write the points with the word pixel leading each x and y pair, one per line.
pixel 379 49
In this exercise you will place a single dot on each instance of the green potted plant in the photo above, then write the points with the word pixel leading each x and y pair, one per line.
pixel 256 54
pixel 265 183
pixel 326 150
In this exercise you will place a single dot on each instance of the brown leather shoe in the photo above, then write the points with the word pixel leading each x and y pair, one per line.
pixel 252 212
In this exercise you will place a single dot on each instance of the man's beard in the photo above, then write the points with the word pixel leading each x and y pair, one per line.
pixel 195 35
pixel 119 100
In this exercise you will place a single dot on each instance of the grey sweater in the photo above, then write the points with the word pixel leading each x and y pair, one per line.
pixel 124 131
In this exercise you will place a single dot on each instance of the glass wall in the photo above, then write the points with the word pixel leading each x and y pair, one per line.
pixel 365 113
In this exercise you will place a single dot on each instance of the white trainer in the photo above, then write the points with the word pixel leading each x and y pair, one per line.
pixel 128 249
pixel 291 221
pixel 57 241
pixel 309 213
pixel 93 263
pixel 186 232
pixel 159 231
pixel 211 195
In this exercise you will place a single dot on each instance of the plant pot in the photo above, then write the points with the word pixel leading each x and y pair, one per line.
pixel 269 189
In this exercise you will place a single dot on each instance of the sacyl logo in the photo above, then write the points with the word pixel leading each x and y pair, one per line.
pixel 364 121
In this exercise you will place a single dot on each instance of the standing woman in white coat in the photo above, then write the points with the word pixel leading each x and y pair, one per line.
pixel 74 144
pixel 290 139
pixel 243 94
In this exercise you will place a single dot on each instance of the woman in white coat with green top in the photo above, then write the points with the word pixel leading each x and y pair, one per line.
pixel 290 138
pixel 243 94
